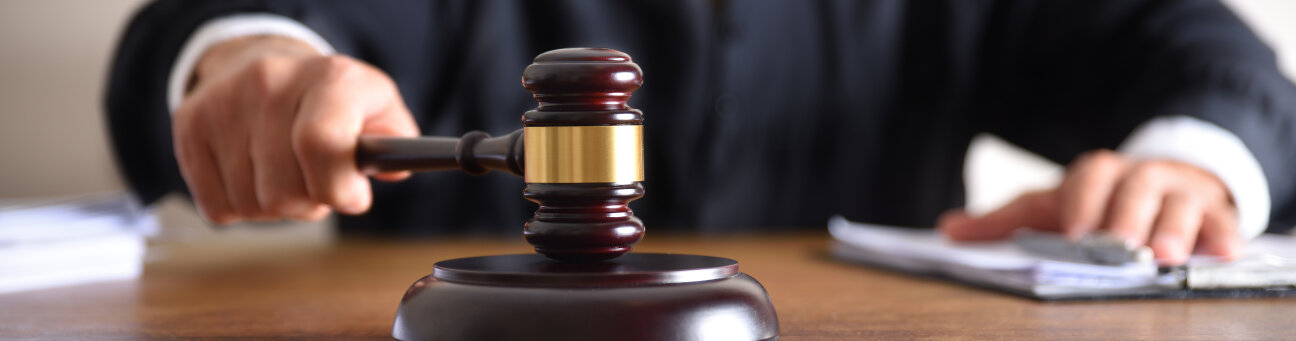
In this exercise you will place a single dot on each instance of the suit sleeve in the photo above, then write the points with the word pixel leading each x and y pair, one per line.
pixel 1063 77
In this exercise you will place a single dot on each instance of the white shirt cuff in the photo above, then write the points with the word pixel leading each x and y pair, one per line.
pixel 229 27
pixel 1214 149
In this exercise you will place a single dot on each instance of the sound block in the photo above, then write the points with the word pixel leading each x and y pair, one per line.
pixel 638 296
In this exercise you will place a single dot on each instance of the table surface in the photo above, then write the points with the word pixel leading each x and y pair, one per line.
pixel 351 289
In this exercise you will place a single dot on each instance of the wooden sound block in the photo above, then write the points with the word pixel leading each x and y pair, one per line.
pixel 638 296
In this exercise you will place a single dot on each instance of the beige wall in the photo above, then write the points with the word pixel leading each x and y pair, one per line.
pixel 53 56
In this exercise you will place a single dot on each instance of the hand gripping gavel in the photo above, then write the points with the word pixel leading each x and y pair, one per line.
pixel 580 153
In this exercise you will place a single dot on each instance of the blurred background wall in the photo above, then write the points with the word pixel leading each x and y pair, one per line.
pixel 52 67
pixel 53 60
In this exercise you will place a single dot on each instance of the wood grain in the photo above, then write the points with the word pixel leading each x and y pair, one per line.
pixel 350 291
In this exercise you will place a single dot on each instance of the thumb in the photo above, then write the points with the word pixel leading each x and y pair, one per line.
pixel 1034 209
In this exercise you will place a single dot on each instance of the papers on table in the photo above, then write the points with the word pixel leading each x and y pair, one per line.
pixel 1003 265
pixel 62 241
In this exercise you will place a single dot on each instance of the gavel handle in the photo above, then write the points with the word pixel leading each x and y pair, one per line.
pixel 475 153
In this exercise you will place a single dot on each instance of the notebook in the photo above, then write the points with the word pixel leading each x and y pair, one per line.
pixel 1267 269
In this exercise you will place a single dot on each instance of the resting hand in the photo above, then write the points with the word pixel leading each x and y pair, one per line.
pixel 1172 207
pixel 270 126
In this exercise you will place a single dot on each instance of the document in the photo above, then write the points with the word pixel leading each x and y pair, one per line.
pixel 1267 269
pixel 71 240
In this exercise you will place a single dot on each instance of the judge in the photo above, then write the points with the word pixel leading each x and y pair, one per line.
pixel 1172 115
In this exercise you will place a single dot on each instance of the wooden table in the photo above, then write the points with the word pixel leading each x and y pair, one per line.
pixel 351 290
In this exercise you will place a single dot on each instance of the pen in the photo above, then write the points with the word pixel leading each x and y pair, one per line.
pixel 1095 248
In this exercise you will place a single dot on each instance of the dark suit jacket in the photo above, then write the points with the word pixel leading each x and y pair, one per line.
pixel 767 113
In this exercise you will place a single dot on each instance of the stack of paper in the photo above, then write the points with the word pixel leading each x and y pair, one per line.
pixel 1004 266
pixel 54 242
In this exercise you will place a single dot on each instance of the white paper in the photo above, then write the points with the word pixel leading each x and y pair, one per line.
pixel 62 241
pixel 1003 265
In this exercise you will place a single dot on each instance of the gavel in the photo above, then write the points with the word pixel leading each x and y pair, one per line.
pixel 580 152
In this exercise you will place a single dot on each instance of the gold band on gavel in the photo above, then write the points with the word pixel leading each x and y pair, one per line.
pixel 584 154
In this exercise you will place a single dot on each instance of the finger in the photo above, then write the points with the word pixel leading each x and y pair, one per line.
pixel 1083 195
pixel 1035 209
pixel 392 176
pixel 228 127
pixel 395 121
pixel 1219 236
pixel 233 158
pixel 951 217
pixel 324 142
pixel 315 214
pixel 1176 229
pixel 1135 203
pixel 280 185
pixel 198 168
pixel 330 119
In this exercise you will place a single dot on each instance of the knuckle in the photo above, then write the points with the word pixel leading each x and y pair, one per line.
pixel 261 68
pixel 338 67
pixel 1106 159
pixel 260 74
pixel 1148 173
pixel 264 77
pixel 1095 165
pixel 1099 156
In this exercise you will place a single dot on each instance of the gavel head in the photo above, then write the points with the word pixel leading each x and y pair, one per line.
pixel 584 154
